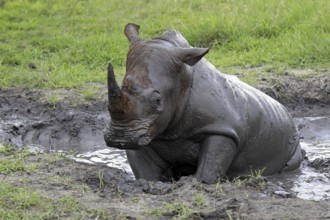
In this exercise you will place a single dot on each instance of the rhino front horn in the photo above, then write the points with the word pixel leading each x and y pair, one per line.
pixel 114 93
pixel 113 88
pixel 132 32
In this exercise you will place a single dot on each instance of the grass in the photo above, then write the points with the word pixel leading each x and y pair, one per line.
pixel 22 203
pixel 198 200
pixel 52 44
pixel 255 179
pixel 182 210
pixel 89 93
pixel 178 210
pixel 20 199
pixel 15 161
pixel 53 100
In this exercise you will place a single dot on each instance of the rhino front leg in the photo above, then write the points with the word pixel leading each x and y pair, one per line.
pixel 215 158
pixel 146 164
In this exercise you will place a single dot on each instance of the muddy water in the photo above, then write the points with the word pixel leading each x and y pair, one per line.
pixel 312 180
pixel 80 132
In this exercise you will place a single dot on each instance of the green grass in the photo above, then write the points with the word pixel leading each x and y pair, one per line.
pixel 182 210
pixel 21 200
pixel 15 161
pixel 66 43
pixel 179 210
pixel 22 203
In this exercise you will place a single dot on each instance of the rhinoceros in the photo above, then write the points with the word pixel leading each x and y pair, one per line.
pixel 176 115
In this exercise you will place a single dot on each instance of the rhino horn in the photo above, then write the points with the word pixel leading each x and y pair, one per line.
pixel 114 92
pixel 113 88
pixel 132 32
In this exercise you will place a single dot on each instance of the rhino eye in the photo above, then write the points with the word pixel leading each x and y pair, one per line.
pixel 156 101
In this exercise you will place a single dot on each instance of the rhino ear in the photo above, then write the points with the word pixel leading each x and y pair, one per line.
pixel 132 32
pixel 191 56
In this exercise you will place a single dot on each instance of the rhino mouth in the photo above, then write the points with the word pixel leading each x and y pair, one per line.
pixel 126 136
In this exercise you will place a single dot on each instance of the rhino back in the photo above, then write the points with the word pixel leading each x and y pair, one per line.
pixel 262 128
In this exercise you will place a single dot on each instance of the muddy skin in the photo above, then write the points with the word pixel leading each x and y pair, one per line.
pixel 177 115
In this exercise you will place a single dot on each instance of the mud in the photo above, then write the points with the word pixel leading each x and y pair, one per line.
pixel 27 119
pixel 303 93
pixel 123 197
pixel 31 118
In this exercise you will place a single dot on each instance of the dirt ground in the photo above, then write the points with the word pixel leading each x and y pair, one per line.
pixel 70 118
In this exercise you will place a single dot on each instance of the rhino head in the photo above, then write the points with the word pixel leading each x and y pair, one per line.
pixel 156 81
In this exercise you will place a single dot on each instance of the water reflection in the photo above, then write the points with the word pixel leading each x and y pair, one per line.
pixel 110 156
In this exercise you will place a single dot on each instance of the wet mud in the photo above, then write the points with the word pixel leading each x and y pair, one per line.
pixel 29 119
pixel 27 122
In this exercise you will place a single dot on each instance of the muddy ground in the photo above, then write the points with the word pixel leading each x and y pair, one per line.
pixel 69 121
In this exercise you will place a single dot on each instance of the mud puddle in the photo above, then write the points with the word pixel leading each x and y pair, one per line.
pixel 312 180
pixel 80 131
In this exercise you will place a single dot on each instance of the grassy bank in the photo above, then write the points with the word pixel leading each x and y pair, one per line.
pixel 51 186
pixel 51 44
pixel 22 197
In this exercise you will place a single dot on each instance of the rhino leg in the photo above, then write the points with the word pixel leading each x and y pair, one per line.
pixel 215 158
pixel 146 164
